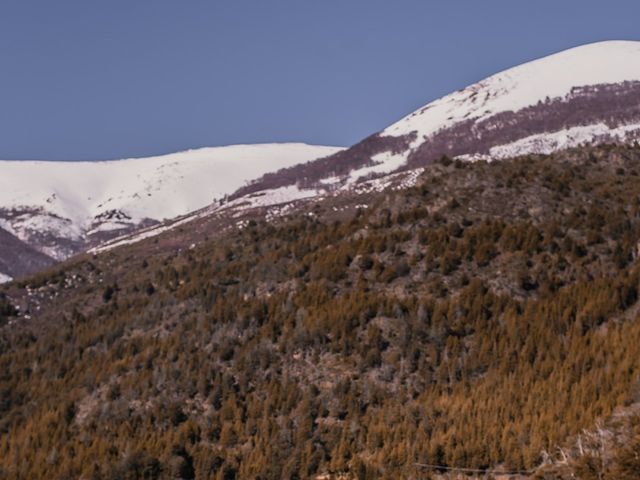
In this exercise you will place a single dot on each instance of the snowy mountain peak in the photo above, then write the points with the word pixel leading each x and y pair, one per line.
pixel 554 76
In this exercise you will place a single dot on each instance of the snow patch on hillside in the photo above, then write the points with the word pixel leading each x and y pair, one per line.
pixel 27 224
pixel 275 196
pixel 5 278
pixel 142 234
pixel 385 162
pixel 547 143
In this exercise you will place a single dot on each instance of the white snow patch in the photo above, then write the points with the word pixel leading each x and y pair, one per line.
pixel 5 278
pixel 329 180
pixel 27 224
pixel 275 196
pixel 546 143
pixel 142 234
pixel 394 181
pixel 386 162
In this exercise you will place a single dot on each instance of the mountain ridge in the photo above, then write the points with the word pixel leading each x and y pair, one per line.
pixel 507 112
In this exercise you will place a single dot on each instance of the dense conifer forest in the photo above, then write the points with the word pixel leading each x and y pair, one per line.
pixel 485 318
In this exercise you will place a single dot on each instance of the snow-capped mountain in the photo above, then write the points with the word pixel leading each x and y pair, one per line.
pixel 585 95
pixel 51 210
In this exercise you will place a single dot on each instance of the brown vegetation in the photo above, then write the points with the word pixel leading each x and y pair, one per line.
pixel 480 319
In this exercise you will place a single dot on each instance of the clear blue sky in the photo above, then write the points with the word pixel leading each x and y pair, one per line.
pixel 83 79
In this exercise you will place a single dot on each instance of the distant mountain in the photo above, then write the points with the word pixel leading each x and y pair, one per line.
pixel 585 95
pixel 51 210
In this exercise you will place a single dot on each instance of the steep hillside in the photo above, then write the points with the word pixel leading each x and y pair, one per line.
pixel 480 317
pixel 17 259
pixel 61 208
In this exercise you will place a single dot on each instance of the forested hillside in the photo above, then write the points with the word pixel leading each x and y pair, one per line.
pixel 480 319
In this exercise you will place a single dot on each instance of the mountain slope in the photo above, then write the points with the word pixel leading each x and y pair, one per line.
pixel 354 337
pixel 585 95
pixel 60 208
pixel 318 326
pixel 588 94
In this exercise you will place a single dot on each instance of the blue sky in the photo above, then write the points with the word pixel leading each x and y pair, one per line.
pixel 84 79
